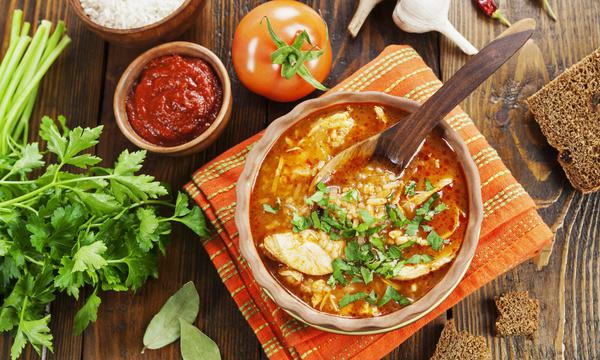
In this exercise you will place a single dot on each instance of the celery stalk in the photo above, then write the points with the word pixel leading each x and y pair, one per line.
pixel 25 62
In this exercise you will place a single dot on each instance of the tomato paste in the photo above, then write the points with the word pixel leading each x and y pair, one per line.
pixel 175 100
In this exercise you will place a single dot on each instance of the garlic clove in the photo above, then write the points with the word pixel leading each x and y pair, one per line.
pixel 419 16
pixel 363 10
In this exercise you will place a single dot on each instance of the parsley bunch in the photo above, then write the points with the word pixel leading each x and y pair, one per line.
pixel 74 224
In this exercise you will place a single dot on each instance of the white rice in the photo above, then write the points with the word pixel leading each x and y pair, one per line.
pixel 128 14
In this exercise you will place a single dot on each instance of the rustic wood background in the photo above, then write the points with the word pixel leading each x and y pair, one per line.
pixel 81 86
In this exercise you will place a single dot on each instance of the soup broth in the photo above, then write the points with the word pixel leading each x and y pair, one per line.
pixel 369 241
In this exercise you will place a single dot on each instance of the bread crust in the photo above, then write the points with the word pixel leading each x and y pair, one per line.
pixel 568 112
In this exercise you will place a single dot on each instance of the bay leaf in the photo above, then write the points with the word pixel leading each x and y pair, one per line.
pixel 164 327
pixel 195 345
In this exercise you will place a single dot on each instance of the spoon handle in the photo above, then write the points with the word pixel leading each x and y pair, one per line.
pixel 400 142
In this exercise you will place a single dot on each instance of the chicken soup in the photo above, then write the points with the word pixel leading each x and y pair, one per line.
pixel 370 240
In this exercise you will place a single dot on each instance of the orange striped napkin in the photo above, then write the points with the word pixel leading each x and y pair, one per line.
pixel 512 230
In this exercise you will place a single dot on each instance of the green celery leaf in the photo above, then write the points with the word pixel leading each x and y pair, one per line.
pixel 136 187
pixel 81 139
pixel 89 257
pixel 436 241
pixel 270 209
pixel 40 232
pixel 30 159
pixel 140 266
pixel 196 221
pixel 350 298
pixel 181 205
pixel 8 318
pixel 392 294
pixel 409 190
pixel 351 196
pixel 419 259
pixel 36 332
pixel 67 279
pixel 87 314
pixel 147 230
pixel 129 162
pixel 367 275
pixel 99 203
pixel 56 142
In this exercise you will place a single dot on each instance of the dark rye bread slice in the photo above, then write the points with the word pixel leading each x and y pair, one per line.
pixel 455 345
pixel 518 314
pixel 568 111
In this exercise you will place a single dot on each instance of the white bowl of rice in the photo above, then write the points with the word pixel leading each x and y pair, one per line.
pixel 136 23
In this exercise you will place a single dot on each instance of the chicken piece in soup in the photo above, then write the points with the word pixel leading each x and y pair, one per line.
pixel 370 241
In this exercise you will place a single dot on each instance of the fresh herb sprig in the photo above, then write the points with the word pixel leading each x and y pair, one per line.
pixel 63 230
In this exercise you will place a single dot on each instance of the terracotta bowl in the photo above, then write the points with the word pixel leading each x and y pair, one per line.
pixel 294 305
pixel 170 27
pixel 132 74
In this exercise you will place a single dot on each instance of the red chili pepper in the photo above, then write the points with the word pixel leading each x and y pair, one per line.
pixel 490 8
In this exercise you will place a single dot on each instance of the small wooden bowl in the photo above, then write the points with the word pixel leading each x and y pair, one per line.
pixel 131 75
pixel 167 28
pixel 292 304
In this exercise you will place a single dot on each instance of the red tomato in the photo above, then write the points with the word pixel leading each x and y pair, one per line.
pixel 252 48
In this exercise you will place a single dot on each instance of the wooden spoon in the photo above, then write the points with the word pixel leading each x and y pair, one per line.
pixel 400 142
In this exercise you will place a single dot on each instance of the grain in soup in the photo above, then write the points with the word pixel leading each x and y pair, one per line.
pixel 369 241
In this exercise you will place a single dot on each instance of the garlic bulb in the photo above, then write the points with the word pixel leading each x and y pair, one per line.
pixel 419 16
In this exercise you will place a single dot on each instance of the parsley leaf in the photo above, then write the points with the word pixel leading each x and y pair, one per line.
pixel 351 196
pixel 367 275
pixel 419 259
pixel 409 190
pixel 436 241
pixel 270 209
pixel 350 298
pixel 392 294
pixel 62 230
pixel 87 314
pixel 428 186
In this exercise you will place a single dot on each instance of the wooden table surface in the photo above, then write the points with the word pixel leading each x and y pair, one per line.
pixel 81 84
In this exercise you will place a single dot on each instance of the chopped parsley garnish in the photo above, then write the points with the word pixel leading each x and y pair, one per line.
pixel 366 217
pixel 371 298
pixel 396 216
pixel 367 275
pixel 351 196
pixel 300 223
pixel 409 190
pixel 419 259
pixel 377 242
pixel 366 251
pixel 436 241
pixel 350 298
pixel 428 186
pixel 315 198
pixel 322 187
pixel 392 294
pixel 271 209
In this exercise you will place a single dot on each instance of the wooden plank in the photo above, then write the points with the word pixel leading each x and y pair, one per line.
pixel 567 286
pixel 77 71
pixel 123 317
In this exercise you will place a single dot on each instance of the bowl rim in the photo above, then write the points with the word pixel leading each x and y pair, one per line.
pixel 131 75
pixel 78 8
pixel 297 307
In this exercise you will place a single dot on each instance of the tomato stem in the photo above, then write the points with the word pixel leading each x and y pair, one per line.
pixel 292 57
